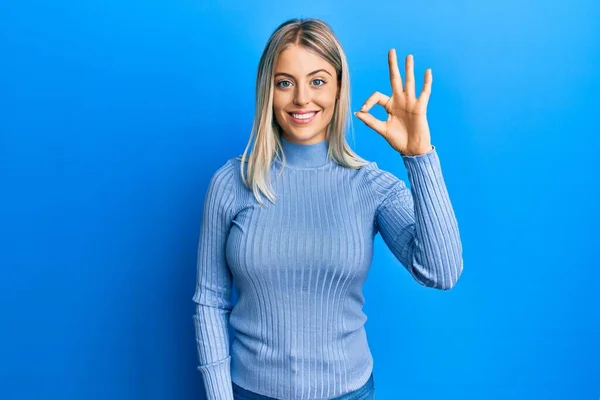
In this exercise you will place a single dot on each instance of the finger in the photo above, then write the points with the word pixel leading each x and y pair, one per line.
pixel 395 77
pixel 424 97
pixel 375 98
pixel 372 122
pixel 410 76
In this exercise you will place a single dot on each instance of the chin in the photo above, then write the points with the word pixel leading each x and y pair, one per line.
pixel 303 135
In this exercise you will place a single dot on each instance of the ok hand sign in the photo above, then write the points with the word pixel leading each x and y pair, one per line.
pixel 406 128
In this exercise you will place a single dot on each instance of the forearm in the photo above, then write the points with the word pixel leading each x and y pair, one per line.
pixel 436 251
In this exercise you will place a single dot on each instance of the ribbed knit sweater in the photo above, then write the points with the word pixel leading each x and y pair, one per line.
pixel 299 266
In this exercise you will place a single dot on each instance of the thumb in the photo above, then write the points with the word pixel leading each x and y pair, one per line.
pixel 372 122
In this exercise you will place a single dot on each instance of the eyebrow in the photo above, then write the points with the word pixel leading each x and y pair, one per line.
pixel 309 74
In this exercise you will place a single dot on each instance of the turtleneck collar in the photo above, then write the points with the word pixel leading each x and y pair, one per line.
pixel 304 156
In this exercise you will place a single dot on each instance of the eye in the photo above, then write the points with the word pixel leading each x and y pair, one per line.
pixel 280 82
pixel 287 84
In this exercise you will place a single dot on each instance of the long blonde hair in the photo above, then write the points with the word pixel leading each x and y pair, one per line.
pixel 315 35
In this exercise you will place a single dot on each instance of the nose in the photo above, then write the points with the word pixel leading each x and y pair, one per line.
pixel 301 97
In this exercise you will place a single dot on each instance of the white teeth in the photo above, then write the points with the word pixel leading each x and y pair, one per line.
pixel 304 116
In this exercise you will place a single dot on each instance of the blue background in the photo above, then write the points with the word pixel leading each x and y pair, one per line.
pixel 115 114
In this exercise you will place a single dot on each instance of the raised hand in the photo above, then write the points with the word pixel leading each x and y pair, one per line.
pixel 406 128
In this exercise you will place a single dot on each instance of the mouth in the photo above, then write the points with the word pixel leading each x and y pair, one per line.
pixel 303 118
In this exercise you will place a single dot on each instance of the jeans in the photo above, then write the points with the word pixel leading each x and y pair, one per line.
pixel 365 392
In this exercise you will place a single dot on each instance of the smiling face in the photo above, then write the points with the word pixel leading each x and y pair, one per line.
pixel 304 95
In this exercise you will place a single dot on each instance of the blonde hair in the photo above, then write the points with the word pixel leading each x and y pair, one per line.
pixel 317 36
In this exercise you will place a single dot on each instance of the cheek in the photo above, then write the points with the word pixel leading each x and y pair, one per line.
pixel 281 102
pixel 327 99
pixel 279 106
pixel 328 106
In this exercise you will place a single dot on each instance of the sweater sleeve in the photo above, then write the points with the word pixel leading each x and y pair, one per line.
pixel 419 225
pixel 213 288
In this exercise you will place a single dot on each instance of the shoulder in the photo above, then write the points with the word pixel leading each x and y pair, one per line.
pixel 228 177
pixel 381 182
pixel 229 170
pixel 223 175
pixel 221 187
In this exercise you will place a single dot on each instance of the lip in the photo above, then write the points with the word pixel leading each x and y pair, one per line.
pixel 302 121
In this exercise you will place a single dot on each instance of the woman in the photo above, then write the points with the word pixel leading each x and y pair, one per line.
pixel 298 261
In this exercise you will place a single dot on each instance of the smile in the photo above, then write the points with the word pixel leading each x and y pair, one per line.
pixel 303 118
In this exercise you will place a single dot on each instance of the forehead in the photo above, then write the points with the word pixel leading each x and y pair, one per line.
pixel 299 61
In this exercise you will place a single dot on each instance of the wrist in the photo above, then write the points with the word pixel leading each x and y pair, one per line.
pixel 417 152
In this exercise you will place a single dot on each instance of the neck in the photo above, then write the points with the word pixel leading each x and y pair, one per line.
pixel 305 155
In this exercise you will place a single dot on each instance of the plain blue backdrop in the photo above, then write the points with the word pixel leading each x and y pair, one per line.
pixel 115 114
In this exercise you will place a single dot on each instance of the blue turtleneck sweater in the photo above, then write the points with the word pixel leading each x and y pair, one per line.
pixel 299 265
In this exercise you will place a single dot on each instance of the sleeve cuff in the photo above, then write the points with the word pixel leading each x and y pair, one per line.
pixel 424 169
pixel 420 155
pixel 217 379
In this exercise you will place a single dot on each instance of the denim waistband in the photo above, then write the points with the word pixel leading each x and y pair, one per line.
pixel 365 392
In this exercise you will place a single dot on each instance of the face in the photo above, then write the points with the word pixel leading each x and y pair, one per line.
pixel 304 95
